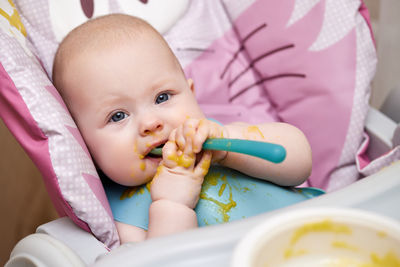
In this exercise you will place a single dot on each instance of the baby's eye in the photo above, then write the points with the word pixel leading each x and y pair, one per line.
pixel 118 116
pixel 162 98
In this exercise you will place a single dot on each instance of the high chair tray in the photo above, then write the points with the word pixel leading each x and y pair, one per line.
pixel 213 245
pixel 62 243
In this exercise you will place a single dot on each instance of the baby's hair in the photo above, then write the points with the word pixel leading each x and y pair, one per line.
pixel 105 31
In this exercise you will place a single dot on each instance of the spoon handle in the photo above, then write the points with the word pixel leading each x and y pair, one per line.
pixel 268 151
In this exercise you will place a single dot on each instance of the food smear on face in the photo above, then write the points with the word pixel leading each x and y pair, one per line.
pixel 142 166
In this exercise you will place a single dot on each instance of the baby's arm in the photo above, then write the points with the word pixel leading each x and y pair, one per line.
pixel 296 167
pixel 175 189
pixel 294 170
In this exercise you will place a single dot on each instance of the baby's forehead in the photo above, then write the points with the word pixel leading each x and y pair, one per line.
pixel 110 30
pixel 96 38
pixel 98 35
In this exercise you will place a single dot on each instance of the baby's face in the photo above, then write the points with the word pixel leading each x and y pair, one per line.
pixel 126 101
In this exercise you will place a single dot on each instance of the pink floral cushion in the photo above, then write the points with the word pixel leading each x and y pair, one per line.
pixel 308 63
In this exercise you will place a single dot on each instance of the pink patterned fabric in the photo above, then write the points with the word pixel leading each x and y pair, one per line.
pixel 306 62
pixel 367 167
pixel 365 13
pixel 362 157
pixel 36 115
pixel 29 135
pixel 267 70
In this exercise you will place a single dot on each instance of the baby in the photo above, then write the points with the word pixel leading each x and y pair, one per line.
pixel 128 94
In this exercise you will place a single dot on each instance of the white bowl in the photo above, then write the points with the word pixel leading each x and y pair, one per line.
pixel 321 237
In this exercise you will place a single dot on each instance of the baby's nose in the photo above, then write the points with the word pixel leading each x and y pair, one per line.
pixel 150 126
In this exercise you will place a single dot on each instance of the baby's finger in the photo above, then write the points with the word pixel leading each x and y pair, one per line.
pixel 188 157
pixel 172 135
pixel 188 150
pixel 201 136
pixel 216 130
pixel 190 130
pixel 190 126
pixel 180 138
pixel 203 165
pixel 169 153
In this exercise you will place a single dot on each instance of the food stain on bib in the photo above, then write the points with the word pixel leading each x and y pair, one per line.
pixel 131 191
pixel 211 180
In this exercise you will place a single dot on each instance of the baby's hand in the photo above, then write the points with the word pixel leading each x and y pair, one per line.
pixel 198 131
pixel 180 176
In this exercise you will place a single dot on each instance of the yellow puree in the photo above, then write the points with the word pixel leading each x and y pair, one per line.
pixel 254 129
pixel 142 166
pixel 182 160
pixel 388 260
pixel 344 245
pixel 382 234
pixel 211 180
pixel 129 192
pixel 323 226
pixel 223 208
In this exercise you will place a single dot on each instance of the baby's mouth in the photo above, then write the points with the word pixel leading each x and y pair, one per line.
pixel 156 152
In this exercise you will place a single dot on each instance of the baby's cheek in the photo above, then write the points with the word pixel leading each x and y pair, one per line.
pixel 123 167
pixel 140 172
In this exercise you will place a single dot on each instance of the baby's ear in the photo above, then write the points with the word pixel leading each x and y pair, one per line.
pixel 191 84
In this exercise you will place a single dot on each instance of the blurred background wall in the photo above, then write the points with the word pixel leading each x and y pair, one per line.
pixel 386 25
pixel 24 203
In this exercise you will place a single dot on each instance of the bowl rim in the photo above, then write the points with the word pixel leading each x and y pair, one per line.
pixel 244 251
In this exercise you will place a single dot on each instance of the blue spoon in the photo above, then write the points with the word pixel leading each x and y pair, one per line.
pixel 268 151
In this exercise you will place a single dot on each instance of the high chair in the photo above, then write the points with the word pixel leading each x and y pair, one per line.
pixel 306 62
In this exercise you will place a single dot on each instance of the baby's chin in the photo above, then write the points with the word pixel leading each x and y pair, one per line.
pixel 138 179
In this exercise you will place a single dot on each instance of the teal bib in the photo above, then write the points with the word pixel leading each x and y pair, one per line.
pixel 226 195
